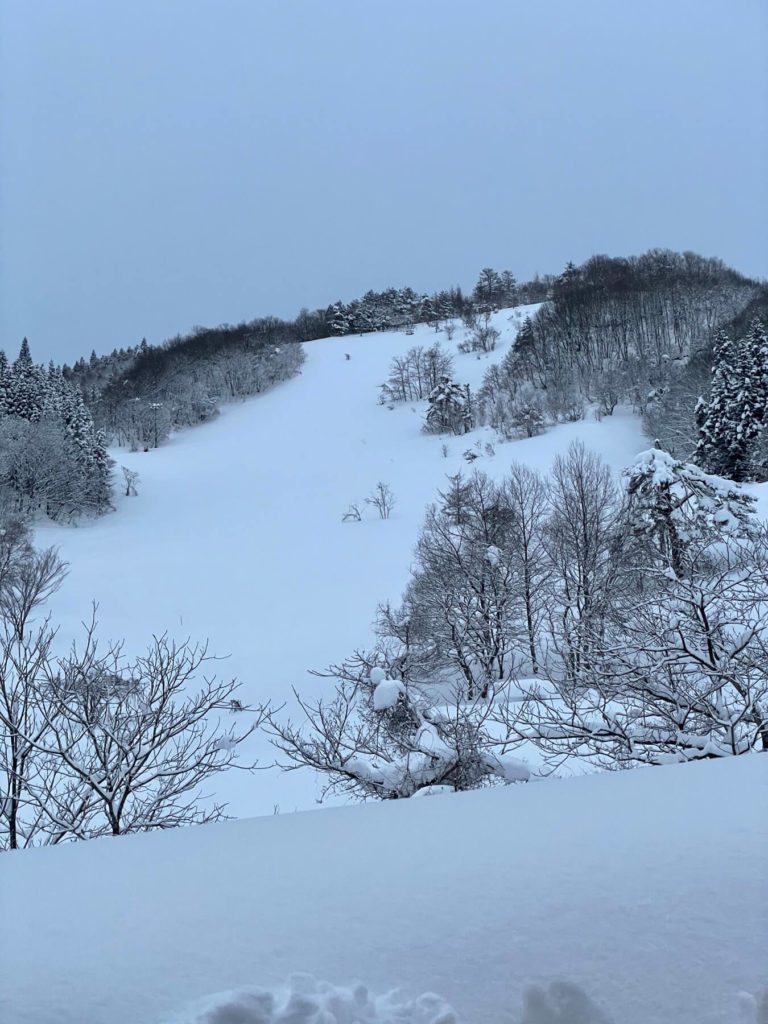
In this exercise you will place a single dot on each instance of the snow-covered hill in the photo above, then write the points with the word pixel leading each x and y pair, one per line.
pixel 237 534
pixel 648 889
pixel 645 889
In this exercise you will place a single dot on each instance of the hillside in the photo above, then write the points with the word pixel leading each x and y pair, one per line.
pixel 647 889
pixel 237 534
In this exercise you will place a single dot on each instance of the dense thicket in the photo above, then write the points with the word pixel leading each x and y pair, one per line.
pixel 52 457
pixel 732 420
pixel 138 397
pixel 620 623
pixel 637 329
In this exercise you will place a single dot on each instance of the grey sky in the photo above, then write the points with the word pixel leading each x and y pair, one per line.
pixel 166 163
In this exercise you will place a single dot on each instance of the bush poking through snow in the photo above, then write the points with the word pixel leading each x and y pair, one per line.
pixel 382 499
pixel 352 515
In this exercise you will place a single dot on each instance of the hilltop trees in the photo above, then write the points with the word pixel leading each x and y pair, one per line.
pixel 494 290
pixel 619 330
pixel 184 381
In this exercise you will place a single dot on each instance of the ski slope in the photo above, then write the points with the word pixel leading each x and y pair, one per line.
pixel 236 535
pixel 648 889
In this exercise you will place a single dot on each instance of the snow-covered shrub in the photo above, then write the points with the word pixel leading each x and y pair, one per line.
pixel 382 736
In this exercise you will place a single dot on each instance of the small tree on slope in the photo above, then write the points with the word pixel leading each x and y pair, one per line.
pixel 450 408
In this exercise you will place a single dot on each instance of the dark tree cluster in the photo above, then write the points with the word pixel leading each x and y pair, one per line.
pixel 394 309
pixel 138 398
pixel 495 291
pixel 403 308
pixel 53 460
pixel 622 330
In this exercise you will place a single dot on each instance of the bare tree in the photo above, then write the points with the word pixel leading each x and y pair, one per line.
pixel 578 538
pixel 413 376
pixel 27 580
pixel 463 603
pixel 382 499
pixel 133 743
pixel 525 494
pixel 682 676
pixel 482 337
pixel 92 743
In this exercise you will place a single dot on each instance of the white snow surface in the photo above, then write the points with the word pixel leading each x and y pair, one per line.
pixel 236 535
pixel 646 889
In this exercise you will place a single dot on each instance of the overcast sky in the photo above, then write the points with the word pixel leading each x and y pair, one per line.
pixel 166 163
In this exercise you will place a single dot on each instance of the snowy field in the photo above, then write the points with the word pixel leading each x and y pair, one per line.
pixel 237 534
pixel 647 889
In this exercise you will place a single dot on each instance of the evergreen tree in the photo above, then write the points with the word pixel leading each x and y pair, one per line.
pixel 732 420
pixel 338 319
pixel 752 408
pixel 489 289
pixel 450 408
pixel 680 510
pixel 52 459
pixel 24 358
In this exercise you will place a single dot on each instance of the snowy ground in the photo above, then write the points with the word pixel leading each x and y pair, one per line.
pixel 236 535
pixel 648 889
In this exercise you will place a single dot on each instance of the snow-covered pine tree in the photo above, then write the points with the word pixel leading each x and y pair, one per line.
pixel 753 401
pixel 338 319
pixel 52 459
pixel 731 422
pixel 680 509
pixel 450 408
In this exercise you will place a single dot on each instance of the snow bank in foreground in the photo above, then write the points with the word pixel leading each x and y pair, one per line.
pixel 307 1001
pixel 645 888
